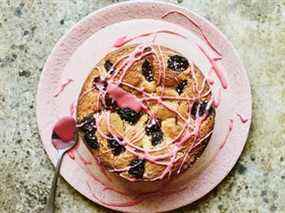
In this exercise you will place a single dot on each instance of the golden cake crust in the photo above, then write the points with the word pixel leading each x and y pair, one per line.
pixel 109 122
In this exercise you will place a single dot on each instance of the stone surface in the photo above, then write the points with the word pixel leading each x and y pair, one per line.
pixel 30 28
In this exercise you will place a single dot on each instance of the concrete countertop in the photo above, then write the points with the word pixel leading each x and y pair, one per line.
pixel 30 28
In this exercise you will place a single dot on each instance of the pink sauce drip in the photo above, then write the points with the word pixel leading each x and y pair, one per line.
pixel 215 67
pixel 73 109
pixel 102 169
pixel 231 125
pixel 230 128
pixel 242 118
pixel 121 41
pixel 123 98
pixel 99 129
pixel 196 25
pixel 113 204
pixel 139 198
pixel 105 185
pixel 208 77
pixel 71 153
pixel 83 160
pixel 62 86
pixel 217 98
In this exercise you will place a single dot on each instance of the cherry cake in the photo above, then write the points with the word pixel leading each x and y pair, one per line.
pixel 145 112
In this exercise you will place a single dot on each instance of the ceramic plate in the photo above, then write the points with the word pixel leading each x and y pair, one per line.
pixel 84 45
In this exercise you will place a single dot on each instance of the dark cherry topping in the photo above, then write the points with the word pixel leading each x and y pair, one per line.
pixel 99 83
pixel 153 130
pixel 129 115
pixel 108 65
pixel 181 86
pixel 156 138
pixel 88 124
pixel 110 103
pixel 115 146
pixel 152 127
pixel 147 70
pixel 137 168
pixel 177 63
pixel 202 109
pixel 91 140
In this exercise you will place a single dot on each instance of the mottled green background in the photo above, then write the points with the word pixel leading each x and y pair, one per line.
pixel 30 28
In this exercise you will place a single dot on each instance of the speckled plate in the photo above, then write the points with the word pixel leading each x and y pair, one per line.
pixel 83 46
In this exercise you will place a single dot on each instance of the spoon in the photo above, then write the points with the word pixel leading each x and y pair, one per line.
pixel 63 139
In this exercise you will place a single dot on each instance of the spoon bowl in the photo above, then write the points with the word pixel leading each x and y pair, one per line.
pixel 64 138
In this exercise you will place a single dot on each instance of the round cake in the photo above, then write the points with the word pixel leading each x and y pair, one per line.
pixel 145 112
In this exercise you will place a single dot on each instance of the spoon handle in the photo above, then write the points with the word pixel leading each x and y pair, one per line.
pixel 50 207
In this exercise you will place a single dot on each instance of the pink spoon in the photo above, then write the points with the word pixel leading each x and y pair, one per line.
pixel 63 139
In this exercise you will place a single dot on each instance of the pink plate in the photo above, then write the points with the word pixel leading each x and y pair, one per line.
pixel 83 46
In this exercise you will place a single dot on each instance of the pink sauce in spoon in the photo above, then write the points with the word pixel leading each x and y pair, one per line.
pixel 65 128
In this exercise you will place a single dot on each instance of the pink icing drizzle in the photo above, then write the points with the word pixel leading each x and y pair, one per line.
pixel 71 153
pixel 196 25
pixel 217 98
pixel 242 118
pixel 120 41
pixel 230 128
pixel 73 109
pixel 216 68
pixel 62 86
pixel 123 98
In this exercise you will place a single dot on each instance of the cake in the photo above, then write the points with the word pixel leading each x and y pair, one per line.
pixel 145 112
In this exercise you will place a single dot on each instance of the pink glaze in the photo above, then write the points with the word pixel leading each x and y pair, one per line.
pixel 216 68
pixel 71 153
pixel 217 98
pixel 196 25
pixel 123 98
pixel 97 119
pixel 83 160
pixel 120 41
pixel 113 204
pixel 102 169
pixel 65 128
pixel 103 183
pixel 73 109
pixel 62 86
pixel 231 125
pixel 136 55
pixel 140 197
pixel 242 118
pixel 208 77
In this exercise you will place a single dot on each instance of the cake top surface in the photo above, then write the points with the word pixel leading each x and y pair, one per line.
pixel 146 111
